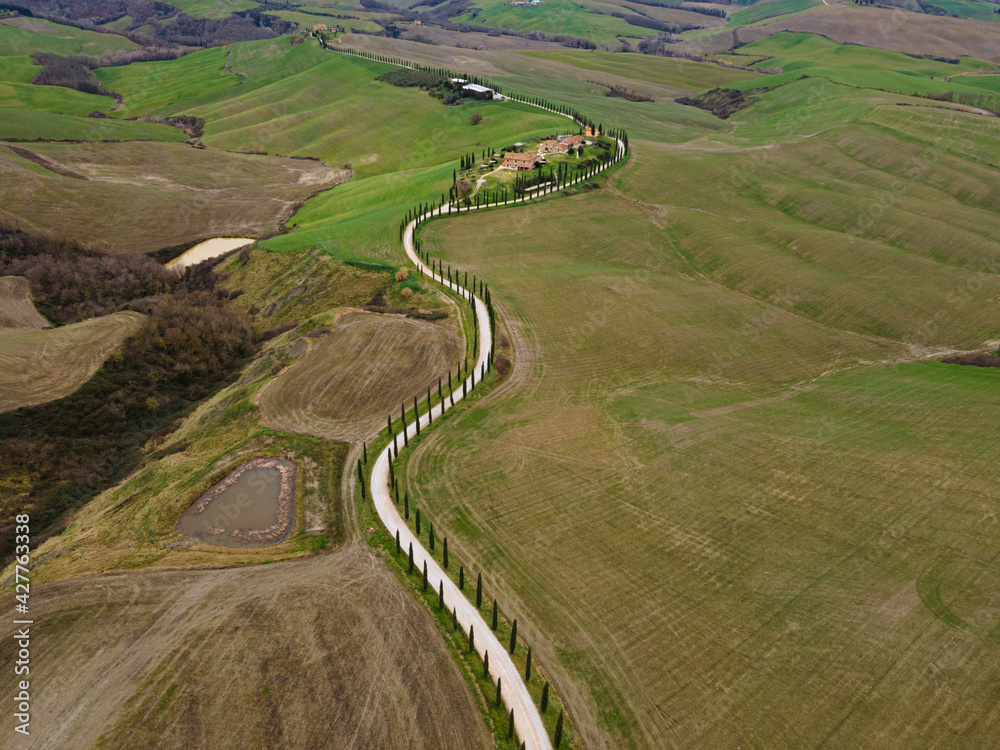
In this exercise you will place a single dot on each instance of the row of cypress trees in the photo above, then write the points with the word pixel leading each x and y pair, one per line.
pixel 561 179
pixel 423 572
pixel 419 213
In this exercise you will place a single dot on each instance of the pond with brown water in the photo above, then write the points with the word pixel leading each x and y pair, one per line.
pixel 254 506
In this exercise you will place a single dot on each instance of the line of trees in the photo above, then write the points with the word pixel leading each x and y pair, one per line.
pixel 460 282
pixel 423 573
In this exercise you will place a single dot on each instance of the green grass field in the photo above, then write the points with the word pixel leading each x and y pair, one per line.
pixel 570 17
pixel 22 36
pixel 676 73
pixel 764 11
pixel 307 20
pixel 980 11
pixel 213 8
pixel 305 101
pixel 865 67
pixel 152 87
pixel 721 479
pixel 26 125
pixel 25 96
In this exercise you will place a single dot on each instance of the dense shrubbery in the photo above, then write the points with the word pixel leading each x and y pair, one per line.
pixel 408 78
pixel 974 360
pixel 71 72
pixel 989 102
pixel 623 93
pixel 436 84
pixel 652 23
pixel 657 45
pixel 720 102
pixel 193 340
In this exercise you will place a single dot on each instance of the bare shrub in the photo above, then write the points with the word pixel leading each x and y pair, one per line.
pixel 402 274
pixel 407 292
pixel 502 365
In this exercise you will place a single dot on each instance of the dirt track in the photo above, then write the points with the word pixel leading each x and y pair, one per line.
pixel 328 652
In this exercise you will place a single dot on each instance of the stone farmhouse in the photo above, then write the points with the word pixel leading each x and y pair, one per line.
pixel 561 145
pixel 522 162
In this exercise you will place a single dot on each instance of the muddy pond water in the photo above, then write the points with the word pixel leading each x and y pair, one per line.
pixel 208 249
pixel 254 506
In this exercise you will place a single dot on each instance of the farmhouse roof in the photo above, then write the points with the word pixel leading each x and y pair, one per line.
pixel 477 87
pixel 517 158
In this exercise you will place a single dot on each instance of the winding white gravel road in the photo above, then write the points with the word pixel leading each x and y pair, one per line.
pixel 527 720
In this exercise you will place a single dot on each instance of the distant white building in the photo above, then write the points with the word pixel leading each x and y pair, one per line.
pixel 476 88
pixel 458 80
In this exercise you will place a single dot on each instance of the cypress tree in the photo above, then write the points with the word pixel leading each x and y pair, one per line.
pixel 486 664
pixel 440 394
pixel 545 698
pixel 444 544
pixel 513 636
pixel 527 666
pixel 558 738
pixel 396 490
pixel 461 578
pixel 406 440
pixel 441 594
pixel 364 450
pixel 498 692
pixel 418 521
pixel 430 417
pixel 510 726
pixel 411 558
pixel 406 505
pixel 361 476
pixel 431 535
pixel 425 575
pixel 397 542
pixel 472 638
pixel 494 615
pixel 416 415
pixel 454 617
pixel 479 591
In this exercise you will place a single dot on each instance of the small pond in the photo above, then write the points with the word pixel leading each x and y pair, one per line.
pixel 212 248
pixel 254 506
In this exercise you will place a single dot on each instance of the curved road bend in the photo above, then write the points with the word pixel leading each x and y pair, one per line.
pixel 527 720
